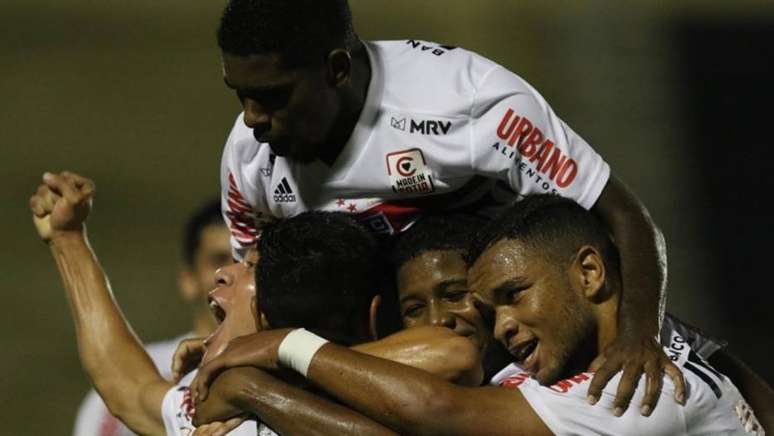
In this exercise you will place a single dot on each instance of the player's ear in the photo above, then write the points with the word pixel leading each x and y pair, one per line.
pixel 588 273
pixel 339 67
pixel 373 317
pixel 186 284
pixel 261 323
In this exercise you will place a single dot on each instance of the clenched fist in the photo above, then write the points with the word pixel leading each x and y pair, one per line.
pixel 61 204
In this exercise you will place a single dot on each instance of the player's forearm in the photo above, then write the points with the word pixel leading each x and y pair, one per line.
pixel 403 398
pixel 754 389
pixel 109 351
pixel 284 408
pixel 435 350
pixel 642 251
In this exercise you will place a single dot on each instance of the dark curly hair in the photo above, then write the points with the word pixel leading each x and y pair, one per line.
pixel 436 231
pixel 302 32
pixel 320 271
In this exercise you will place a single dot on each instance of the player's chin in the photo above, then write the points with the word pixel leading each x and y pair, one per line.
pixel 549 373
pixel 298 153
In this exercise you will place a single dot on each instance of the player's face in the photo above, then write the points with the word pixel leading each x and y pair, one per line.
pixel 214 251
pixel 293 109
pixel 433 290
pixel 231 303
pixel 539 317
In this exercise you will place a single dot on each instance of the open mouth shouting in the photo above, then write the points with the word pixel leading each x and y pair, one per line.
pixel 526 354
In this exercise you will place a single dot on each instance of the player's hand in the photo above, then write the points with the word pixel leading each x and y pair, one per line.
pixel 61 204
pixel 188 356
pixel 635 357
pixel 218 428
pixel 258 350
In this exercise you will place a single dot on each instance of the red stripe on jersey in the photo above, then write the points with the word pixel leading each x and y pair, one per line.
pixel 240 215
pixel 109 425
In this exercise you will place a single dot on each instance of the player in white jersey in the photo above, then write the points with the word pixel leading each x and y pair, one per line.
pixel 431 277
pixel 385 130
pixel 205 249
pixel 132 387
pixel 94 418
pixel 549 273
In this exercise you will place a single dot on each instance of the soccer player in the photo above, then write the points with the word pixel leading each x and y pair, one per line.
pixel 550 274
pixel 384 130
pixel 432 288
pixel 132 387
pixel 205 249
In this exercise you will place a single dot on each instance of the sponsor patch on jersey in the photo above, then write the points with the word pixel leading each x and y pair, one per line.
pixel 525 143
pixel 377 223
pixel 398 123
pixel 283 193
pixel 408 172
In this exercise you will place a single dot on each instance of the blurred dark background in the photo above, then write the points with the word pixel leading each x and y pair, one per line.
pixel 676 98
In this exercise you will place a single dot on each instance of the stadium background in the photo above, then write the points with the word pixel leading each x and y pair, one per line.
pixel 675 97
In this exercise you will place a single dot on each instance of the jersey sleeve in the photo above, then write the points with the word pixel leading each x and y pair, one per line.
pixel 177 411
pixel 242 203
pixel 704 345
pixel 517 137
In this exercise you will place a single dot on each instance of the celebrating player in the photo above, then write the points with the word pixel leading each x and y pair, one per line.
pixel 205 249
pixel 432 287
pixel 550 274
pixel 149 404
pixel 384 130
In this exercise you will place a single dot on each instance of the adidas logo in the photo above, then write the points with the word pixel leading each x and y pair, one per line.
pixel 283 193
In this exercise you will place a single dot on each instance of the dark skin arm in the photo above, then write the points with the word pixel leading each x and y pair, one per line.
pixel 406 399
pixel 284 408
pixel 643 271
pixel 753 388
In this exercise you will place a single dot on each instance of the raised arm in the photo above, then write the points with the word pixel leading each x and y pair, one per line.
pixel 643 269
pixel 113 358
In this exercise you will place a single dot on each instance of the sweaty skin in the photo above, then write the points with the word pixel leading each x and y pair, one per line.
pixel 411 402
pixel 131 386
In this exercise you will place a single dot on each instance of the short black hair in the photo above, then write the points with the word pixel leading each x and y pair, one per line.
pixel 302 32
pixel 554 226
pixel 206 215
pixel 320 271
pixel 436 231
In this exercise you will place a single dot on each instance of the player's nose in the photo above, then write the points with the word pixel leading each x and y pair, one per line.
pixel 256 117
pixel 505 326
pixel 224 276
pixel 440 317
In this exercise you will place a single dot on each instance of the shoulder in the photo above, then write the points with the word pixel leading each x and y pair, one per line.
pixel 428 76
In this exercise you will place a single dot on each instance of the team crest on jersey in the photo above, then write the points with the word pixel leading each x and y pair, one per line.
pixel 408 172
pixel 283 193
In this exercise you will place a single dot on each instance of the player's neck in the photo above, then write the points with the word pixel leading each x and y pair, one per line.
pixel 607 323
pixel 203 323
pixel 352 100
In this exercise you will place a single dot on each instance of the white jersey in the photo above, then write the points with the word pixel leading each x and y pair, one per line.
pixel 713 406
pixel 437 120
pixel 177 410
pixel 94 418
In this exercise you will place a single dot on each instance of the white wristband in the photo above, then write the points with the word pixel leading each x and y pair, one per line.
pixel 298 348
